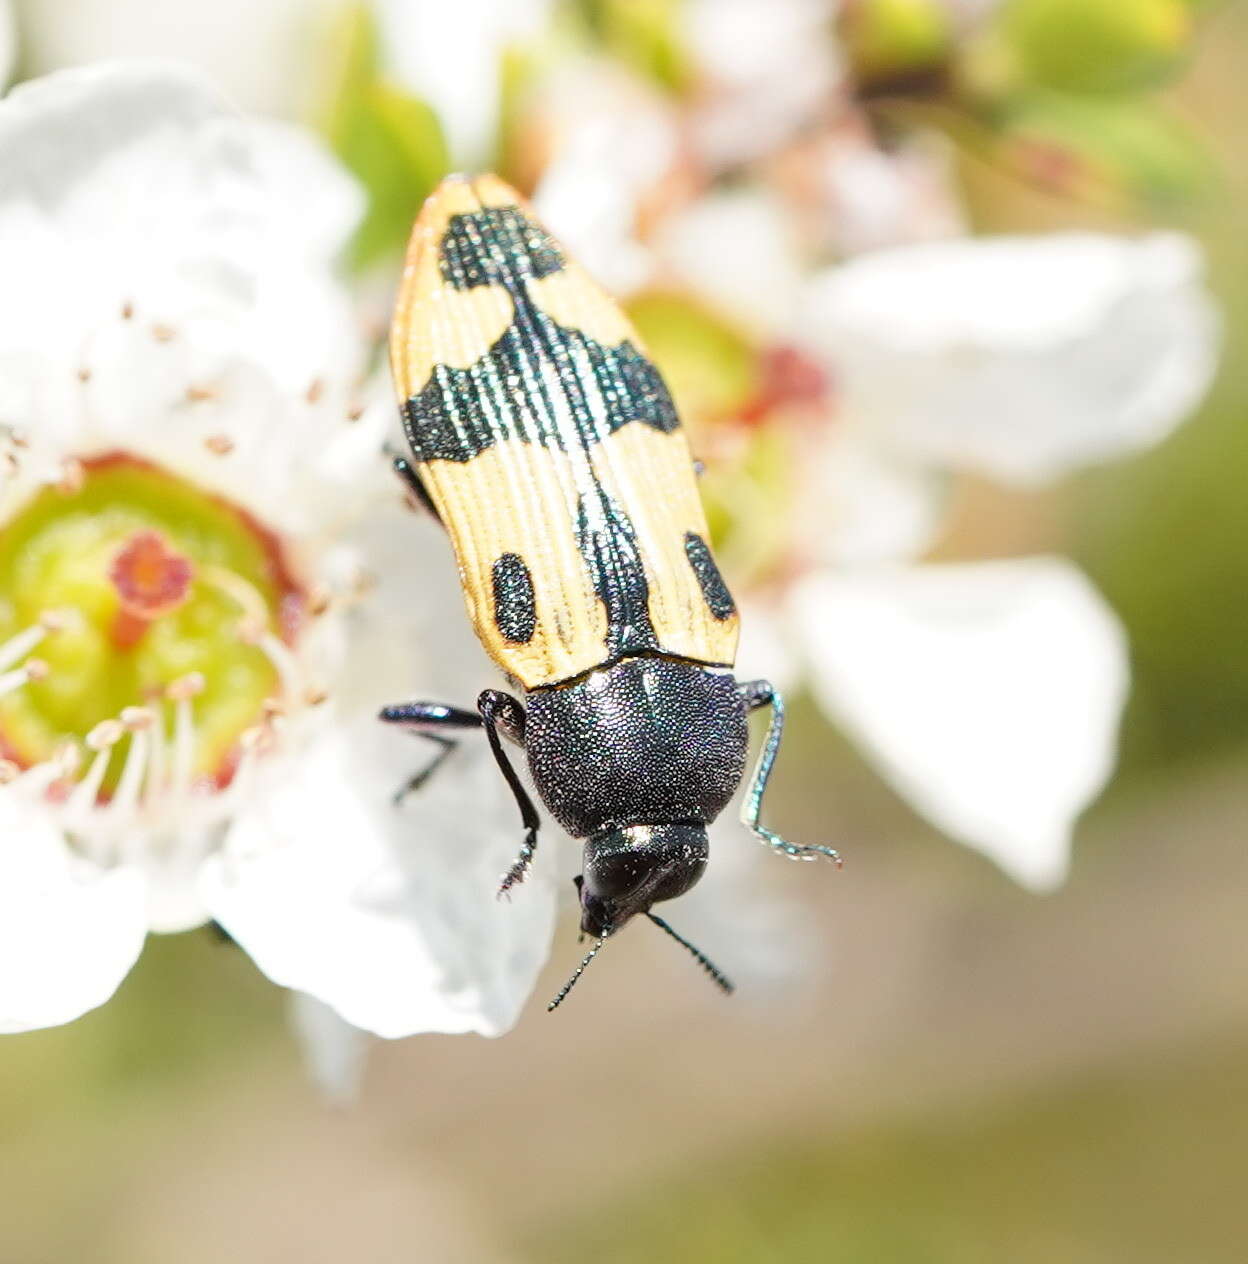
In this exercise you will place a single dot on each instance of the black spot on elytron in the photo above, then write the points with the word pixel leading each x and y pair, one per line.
pixel 514 611
pixel 608 544
pixel 496 246
pixel 718 599
pixel 540 383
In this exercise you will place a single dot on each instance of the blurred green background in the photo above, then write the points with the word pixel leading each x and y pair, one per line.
pixel 966 1073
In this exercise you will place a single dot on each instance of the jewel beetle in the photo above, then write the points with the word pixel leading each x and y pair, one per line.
pixel 546 443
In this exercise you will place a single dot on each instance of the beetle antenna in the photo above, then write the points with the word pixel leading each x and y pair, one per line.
pixel 717 976
pixel 580 970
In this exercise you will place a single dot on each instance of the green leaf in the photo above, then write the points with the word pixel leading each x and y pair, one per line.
pixel 1097 46
pixel 391 140
pixel 642 33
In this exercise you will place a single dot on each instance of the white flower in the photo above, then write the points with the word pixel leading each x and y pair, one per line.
pixel 1022 357
pixel 190 663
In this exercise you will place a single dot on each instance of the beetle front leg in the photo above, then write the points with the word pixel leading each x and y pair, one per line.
pixel 755 694
pixel 501 711
pixel 428 720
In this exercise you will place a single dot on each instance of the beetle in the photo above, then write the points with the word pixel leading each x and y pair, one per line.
pixel 546 443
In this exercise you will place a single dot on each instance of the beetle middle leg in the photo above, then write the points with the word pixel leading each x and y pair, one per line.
pixel 762 693
pixel 501 711
pixel 428 720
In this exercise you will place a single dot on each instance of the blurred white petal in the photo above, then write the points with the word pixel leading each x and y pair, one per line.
pixel 738 249
pixel 765 68
pixel 858 505
pixel 333 1050
pixel 989 694
pixel 69 932
pixel 1022 357
pixel 611 139
pixel 451 56
pixel 873 198
pixel 767 649
pixel 264 54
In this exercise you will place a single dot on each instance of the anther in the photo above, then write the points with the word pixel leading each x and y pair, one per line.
pixel 316 388
pixel 163 333
pixel 9 772
pixel 219 444
pixel 355 412
pixel 105 734
pixel 184 687
pixel 199 394
pixel 314 697
pixel 136 718
pixel 67 757
pixel 127 310
pixel 318 601
pixel 36 669
pixel 84 374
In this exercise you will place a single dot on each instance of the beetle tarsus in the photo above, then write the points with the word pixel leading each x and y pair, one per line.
pixel 520 868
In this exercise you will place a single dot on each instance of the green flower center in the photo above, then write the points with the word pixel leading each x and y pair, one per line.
pixel 147 589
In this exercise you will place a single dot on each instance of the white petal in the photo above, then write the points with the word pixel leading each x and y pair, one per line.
pixel 858 505
pixel 262 54
pixel 874 198
pixel 333 1050
pixel 768 650
pixel 611 139
pixel 69 932
pixel 316 203
pixel 1022 357
pixel 988 693
pixel 387 915
pixel 737 249
pixel 768 68
pixel 450 55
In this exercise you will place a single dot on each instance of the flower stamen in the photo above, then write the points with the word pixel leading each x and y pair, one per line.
pixel 181 691
pixel 33 669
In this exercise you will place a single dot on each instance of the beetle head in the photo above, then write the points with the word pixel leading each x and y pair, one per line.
pixel 629 868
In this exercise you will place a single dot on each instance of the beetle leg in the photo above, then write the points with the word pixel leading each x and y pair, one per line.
pixel 420 719
pixel 755 694
pixel 406 471
pixel 501 710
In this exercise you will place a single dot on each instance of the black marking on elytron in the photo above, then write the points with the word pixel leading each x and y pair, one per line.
pixel 541 382
pixel 514 611
pixel 608 545
pixel 496 246
pixel 715 592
